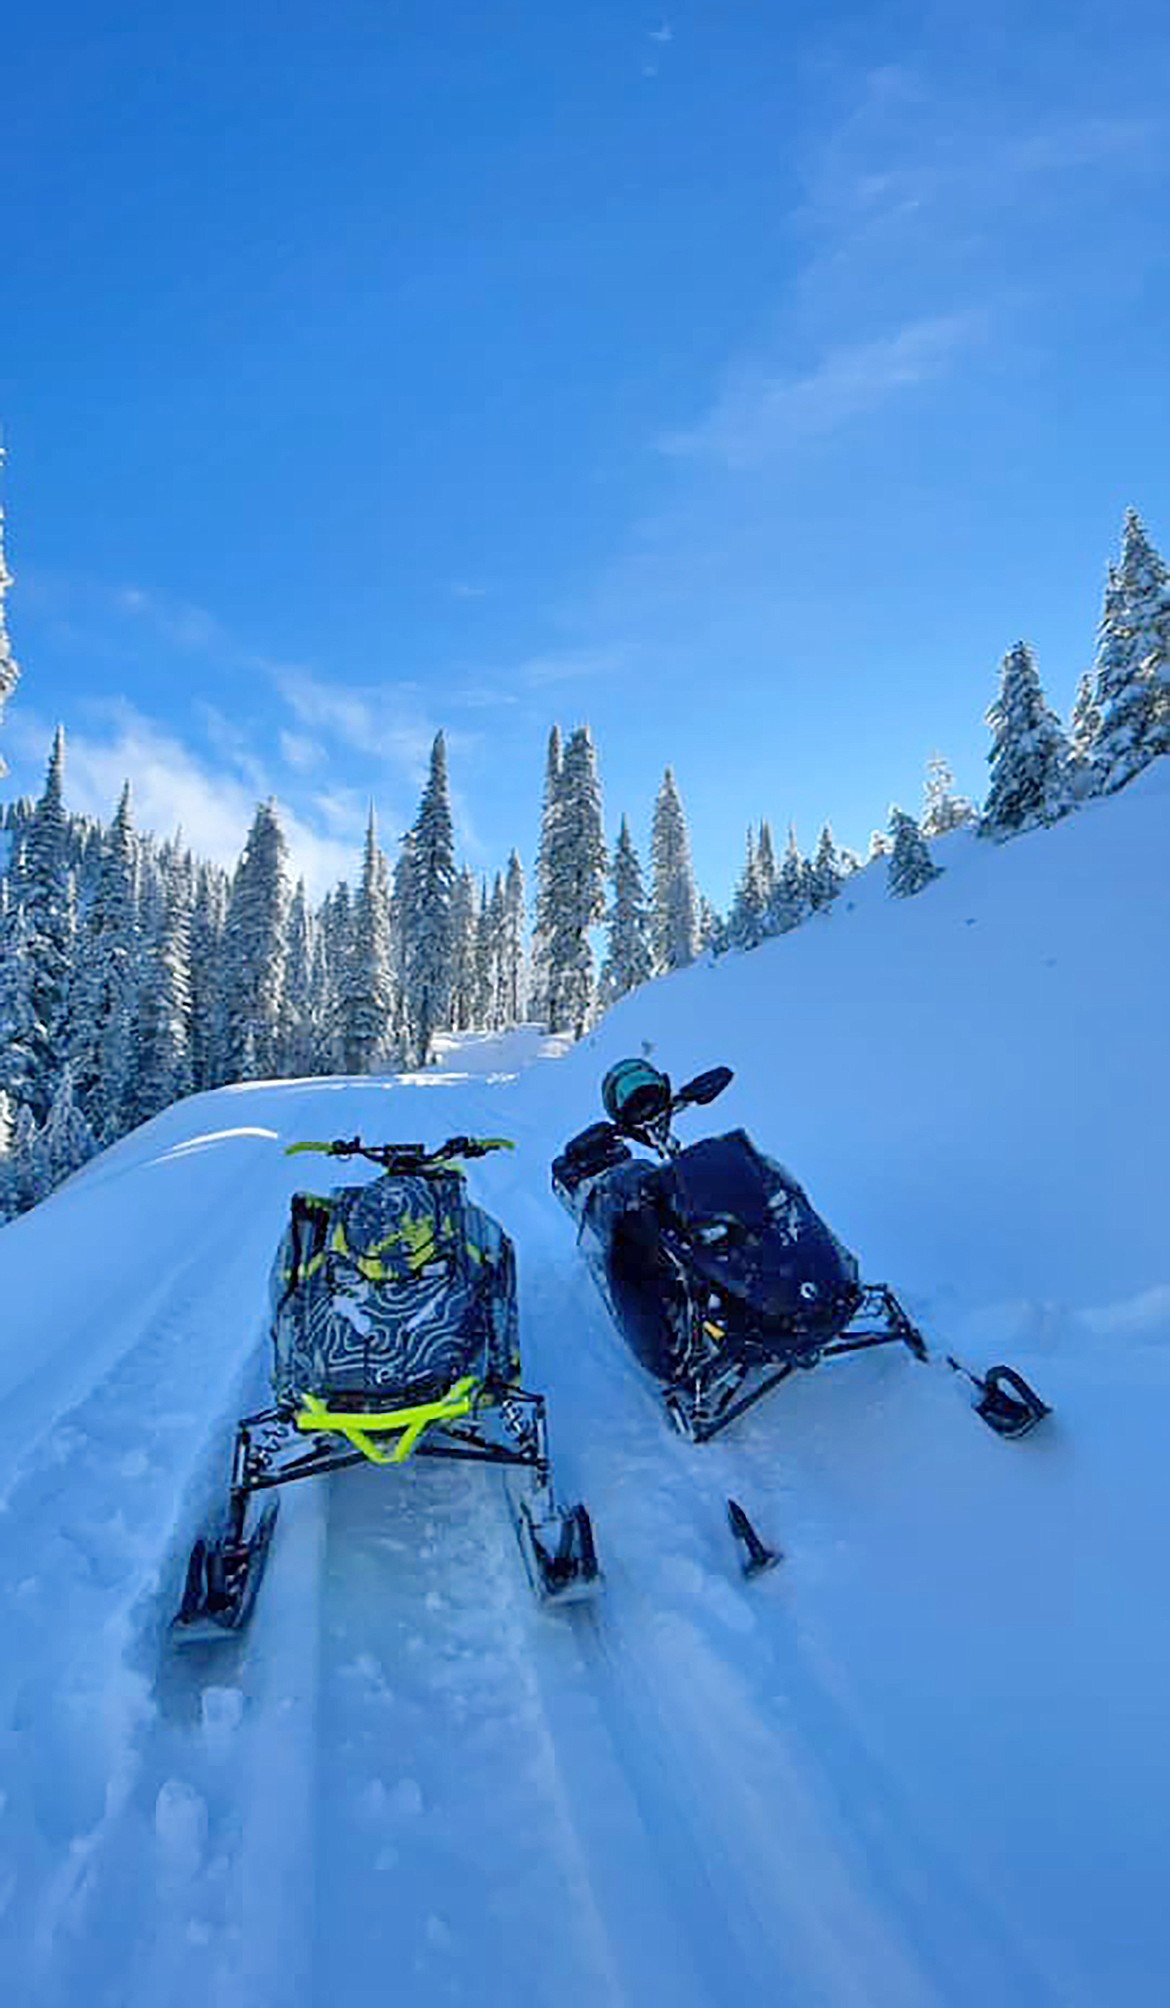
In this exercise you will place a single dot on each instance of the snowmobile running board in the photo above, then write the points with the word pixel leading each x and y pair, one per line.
pixel 1006 1401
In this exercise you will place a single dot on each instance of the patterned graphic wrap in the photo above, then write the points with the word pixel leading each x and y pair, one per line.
pixel 386 1293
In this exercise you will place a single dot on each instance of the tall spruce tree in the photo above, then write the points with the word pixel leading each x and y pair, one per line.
pixel 513 944
pixel 1133 661
pixel 674 901
pixel 748 921
pixel 1029 753
pixel 365 994
pixel 102 1032
pixel 789 902
pixel 825 876
pixel 1084 733
pixel 163 1069
pixel 942 809
pixel 297 1032
pixel 577 887
pixel 629 958
pixel 463 946
pixel 255 944
pixel 909 866
pixel 48 914
pixel 542 917
pixel 427 942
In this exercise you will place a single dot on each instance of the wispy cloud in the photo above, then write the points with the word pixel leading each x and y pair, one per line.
pixel 173 789
pixel 576 665
pixel 466 589
pixel 758 416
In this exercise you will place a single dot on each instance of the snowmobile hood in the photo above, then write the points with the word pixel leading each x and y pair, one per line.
pixel 751 1232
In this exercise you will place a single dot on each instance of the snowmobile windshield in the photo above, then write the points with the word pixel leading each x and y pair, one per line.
pixel 721 1189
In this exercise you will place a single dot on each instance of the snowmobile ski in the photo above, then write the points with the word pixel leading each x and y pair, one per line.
pixel 756 1557
pixel 222 1582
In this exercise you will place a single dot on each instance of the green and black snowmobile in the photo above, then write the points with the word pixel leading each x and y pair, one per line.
pixel 394 1335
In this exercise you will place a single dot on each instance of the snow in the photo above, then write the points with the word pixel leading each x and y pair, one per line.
pixel 922 1761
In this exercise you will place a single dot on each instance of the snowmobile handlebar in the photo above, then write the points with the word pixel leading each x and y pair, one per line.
pixel 406 1157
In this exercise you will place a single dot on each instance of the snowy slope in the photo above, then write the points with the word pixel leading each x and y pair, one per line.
pixel 925 1761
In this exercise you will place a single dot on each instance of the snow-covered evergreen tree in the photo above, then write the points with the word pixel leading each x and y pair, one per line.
pixel 9 672
pixel 497 907
pixel 427 938
pixel 577 887
pixel 1084 732
pixel 674 902
pixel 629 958
pixel 542 918
pixel 824 877
pixel 163 1042
pixel 747 924
pixel 766 866
pixel 910 865
pixel 464 914
pixel 66 1141
pixel 942 809
pixel 1132 690
pixel 208 1002
pixel 48 915
pixel 255 945
pixel 1029 753
pixel 365 991
pixel 512 949
pixel 712 932
pixel 102 1033
pixel 789 902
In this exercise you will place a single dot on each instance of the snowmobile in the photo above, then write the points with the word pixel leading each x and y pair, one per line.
pixel 717 1270
pixel 394 1334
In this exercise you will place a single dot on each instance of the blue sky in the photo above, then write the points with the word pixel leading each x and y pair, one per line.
pixel 741 380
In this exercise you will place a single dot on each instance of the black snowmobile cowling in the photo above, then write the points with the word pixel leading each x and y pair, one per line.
pixel 717 1269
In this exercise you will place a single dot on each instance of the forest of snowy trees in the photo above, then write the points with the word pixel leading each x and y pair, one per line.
pixel 132 973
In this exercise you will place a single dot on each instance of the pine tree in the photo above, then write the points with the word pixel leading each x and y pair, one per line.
pixel 1133 661
pixel 427 942
pixel 66 1140
pixel 789 902
pixel 9 672
pixel 497 912
pixel 748 922
pixel 942 809
pixel 513 944
pixel 766 866
pixel 1029 754
pixel 1084 733
pixel 297 1043
pixel 255 940
pixel 542 921
pixel 910 866
pixel 365 993
pixel 629 958
pixel 577 887
pixel 463 947
pixel 483 959
pixel 208 1003
pixel 106 990
pixel 712 932
pixel 825 875
pixel 163 1043
pixel 46 899
pixel 673 898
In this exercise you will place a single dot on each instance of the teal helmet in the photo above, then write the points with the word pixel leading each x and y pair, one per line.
pixel 635 1094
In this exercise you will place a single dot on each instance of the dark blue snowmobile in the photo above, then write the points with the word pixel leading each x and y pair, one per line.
pixel 717 1270
pixel 394 1334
